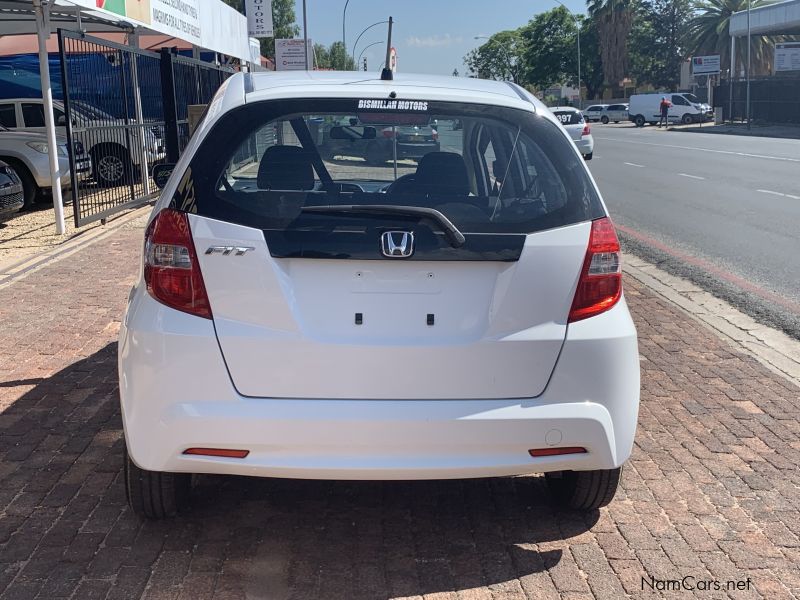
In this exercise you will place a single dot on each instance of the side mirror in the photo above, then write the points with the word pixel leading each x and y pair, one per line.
pixel 161 174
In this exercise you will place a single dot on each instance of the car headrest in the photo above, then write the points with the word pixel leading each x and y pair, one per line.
pixel 285 168
pixel 442 172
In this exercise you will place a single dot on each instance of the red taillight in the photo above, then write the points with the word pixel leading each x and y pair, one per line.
pixel 600 285
pixel 536 452
pixel 171 270
pixel 435 135
pixel 223 452
pixel 586 130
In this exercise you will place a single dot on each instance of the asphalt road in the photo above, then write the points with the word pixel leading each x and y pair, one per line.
pixel 722 210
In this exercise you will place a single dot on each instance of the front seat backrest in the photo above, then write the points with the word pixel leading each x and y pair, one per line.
pixel 285 168
pixel 442 173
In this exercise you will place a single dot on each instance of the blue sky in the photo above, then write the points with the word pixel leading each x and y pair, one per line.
pixel 431 36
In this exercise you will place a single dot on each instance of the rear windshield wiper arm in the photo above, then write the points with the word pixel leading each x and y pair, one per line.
pixel 451 232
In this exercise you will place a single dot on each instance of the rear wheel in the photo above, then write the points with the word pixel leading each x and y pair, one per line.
pixel 639 120
pixel 604 120
pixel 153 494
pixel 584 490
pixel 687 119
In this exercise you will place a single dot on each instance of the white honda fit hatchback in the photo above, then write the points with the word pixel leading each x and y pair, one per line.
pixel 366 316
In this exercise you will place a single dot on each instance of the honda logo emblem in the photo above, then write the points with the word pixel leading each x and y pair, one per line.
pixel 397 244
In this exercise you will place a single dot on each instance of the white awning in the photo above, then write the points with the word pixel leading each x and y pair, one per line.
pixel 209 24
pixel 782 18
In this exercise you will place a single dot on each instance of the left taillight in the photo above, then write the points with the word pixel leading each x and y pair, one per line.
pixel 600 284
pixel 171 269
pixel 586 130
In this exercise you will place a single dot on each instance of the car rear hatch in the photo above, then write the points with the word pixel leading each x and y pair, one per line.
pixel 389 329
pixel 311 299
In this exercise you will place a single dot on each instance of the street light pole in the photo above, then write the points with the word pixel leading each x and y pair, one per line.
pixel 305 34
pixel 344 14
pixel 362 33
pixel 578 28
pixel 360 54
pixel 749 44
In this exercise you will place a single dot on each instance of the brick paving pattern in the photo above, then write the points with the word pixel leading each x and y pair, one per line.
pixel 711 491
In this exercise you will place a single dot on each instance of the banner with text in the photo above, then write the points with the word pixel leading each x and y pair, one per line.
pixel 209 24
pixel 787 56
pixel 289 55
pixel 259 18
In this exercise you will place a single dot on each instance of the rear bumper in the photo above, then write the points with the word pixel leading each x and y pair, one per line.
pixel 176 394
pixel 585 144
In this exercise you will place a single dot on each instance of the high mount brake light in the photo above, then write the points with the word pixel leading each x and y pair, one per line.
pixel 171 270
pixel 600 284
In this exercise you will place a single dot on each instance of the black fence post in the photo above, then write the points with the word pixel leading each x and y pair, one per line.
pixel 169 103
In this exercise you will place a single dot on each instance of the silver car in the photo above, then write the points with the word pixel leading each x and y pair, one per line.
pixel 27 153
pixel 574 122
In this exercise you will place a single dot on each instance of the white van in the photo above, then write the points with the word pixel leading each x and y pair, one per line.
pixel 686 108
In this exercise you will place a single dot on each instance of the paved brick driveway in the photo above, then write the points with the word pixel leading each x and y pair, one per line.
pixel 711 493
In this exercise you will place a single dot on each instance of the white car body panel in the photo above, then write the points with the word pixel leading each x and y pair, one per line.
pixel 497 331
pixel 363 414
pixel 177 394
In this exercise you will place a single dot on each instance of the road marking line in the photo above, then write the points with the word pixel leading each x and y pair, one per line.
pixel 793 197
pixel 780 158
pixel 771 192
pixel 634 165
pixel 690 176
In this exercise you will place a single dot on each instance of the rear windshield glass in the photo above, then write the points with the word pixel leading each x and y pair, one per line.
pixel 487 169
pixel 568 117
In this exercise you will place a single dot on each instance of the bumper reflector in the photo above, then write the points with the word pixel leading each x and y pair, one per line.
pixel 537 452
pixel 223 452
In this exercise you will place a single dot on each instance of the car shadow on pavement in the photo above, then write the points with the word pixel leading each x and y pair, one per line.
pixel 64 523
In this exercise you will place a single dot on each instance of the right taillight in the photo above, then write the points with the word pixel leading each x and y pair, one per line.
pixel 171 270
pixel 600 285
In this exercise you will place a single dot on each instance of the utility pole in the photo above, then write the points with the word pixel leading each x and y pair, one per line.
pixel 305 33
pixel 749 44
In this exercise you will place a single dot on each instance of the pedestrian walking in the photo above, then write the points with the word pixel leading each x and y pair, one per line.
pixel 664 106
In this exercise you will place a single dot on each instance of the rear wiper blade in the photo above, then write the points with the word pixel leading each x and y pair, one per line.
pixel 451 232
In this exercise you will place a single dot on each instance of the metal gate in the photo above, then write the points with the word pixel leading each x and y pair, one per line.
pixel 126 110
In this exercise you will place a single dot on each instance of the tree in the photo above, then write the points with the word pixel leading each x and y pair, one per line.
pixel 613 19
pixel 283 21
pixel 550 55
pixel 708 34
pixel 333 57
pixel 498 58
pixel 656 42
pixel 591 63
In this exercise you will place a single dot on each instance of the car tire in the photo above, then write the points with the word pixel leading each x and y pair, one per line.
pixel 687 119
pixel 111 165
pixel 639 120
pixel 153 494
pixel 588 156
pixel 30 191
pixel 615 122
pixel 604 120
pixel 583 490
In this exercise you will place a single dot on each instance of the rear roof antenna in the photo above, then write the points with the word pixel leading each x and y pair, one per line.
pixel 387 74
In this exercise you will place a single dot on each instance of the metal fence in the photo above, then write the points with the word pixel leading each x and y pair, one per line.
pixel 127 110
pixel 773 100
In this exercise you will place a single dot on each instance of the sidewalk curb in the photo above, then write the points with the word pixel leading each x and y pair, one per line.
pixel 31 264
pixel 771 347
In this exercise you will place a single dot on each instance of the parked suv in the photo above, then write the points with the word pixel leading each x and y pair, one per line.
pixel 114 153
pixel 300 318
pixel 27 153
